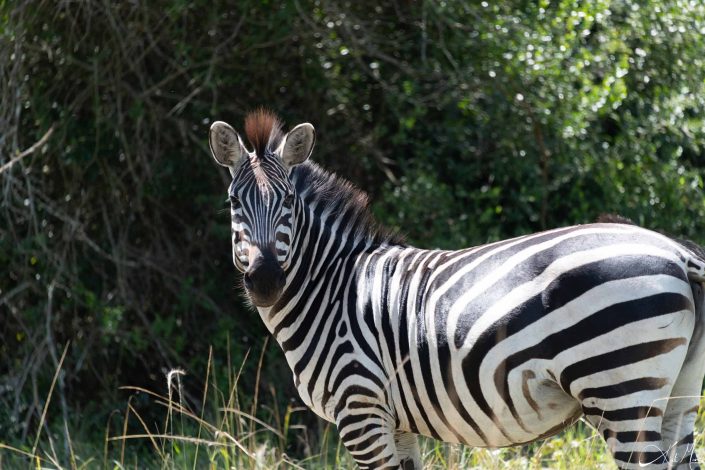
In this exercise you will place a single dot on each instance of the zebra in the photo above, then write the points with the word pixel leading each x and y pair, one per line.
pixel 490 346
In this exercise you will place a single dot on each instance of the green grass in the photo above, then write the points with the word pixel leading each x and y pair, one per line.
pixel 225 433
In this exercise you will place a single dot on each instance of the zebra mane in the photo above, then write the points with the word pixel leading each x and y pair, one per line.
pixel 264 131
pixel 334 194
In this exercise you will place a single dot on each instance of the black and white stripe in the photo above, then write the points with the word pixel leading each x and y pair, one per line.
pixel 267 223
pixel 489 346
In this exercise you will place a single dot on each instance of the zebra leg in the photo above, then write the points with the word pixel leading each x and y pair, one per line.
pixel 374 447
pixel 678 426
pixel 632 432
pixel 370 438
pixel 628 410
pixel 682 409
pixel 408 450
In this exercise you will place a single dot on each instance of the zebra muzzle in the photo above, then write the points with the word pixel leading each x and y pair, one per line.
pixel 264 280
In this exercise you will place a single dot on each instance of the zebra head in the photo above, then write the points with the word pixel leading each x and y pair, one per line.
pixel 263 198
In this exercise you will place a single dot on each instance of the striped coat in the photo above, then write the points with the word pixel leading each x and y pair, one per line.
pixel 489 346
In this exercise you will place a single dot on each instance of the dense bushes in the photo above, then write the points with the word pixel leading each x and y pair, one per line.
pixel 466 121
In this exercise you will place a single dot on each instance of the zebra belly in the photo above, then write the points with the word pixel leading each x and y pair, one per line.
pixel 542 409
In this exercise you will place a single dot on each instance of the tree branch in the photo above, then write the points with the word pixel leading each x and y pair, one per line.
pixel 28 151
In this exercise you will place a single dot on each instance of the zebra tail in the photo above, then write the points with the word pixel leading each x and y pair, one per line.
pixel 695 260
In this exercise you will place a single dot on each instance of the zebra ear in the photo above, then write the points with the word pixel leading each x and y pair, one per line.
pixel 297 144
pixel 226 145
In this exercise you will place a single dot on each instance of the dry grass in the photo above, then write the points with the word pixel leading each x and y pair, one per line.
pixel 222 434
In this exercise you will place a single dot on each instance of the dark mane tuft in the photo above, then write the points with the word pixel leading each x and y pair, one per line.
pixel 337 195
pixel 619 219
pixel 609 218
pixel 263 130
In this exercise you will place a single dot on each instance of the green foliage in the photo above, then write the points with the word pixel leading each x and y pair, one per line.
pixel 467 122
pixel 554 113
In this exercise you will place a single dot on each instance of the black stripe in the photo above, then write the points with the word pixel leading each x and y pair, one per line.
pixel 404 341
pixel 643 458
pixel 598 324
pixel 361 405
pixel 310 317
pixel 320 361
pixel 380 464
pixel 340 351
pixel 444 362
pixel 370 455
pixel 566 287
pixel 687 439
pixel 301 280
pixel 391 265
pixel 632 436
pixel 351 420
pixel 624 414
pixel 422 343
pixel 491 262
pixel 351 391
pixel 354 368
pixel 363 348
pixel 623 388
pixel 617 358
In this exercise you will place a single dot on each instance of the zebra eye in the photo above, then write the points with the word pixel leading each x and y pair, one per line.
pixel 234 200
pixel 289 199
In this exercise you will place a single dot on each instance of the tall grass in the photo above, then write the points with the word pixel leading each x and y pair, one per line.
pixel 225 432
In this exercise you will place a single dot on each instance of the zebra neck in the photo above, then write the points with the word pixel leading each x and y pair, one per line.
pixel 320 308
pixel 325 249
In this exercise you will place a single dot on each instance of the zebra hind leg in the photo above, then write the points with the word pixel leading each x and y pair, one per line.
pixel 632 433
pixel 408 450
pixel 629 408
pixel 682 408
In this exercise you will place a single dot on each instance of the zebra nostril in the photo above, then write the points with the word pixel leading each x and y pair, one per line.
pixel 247 280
